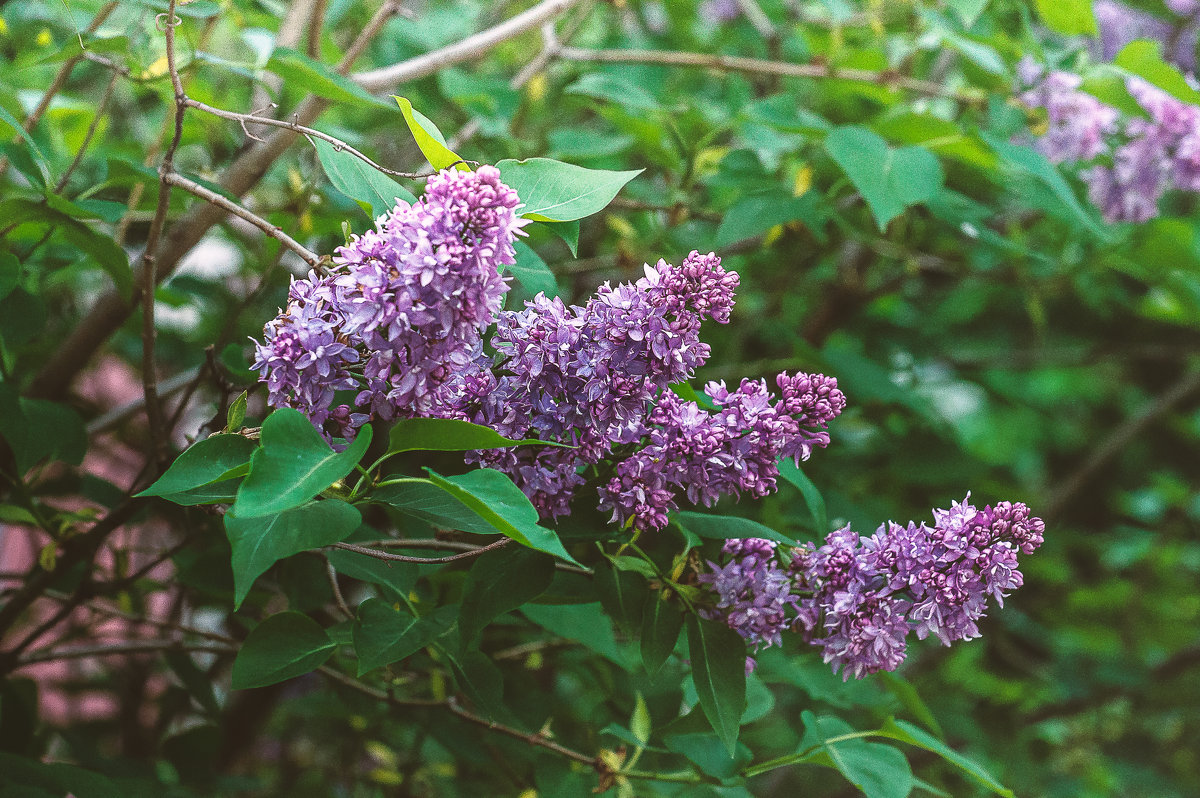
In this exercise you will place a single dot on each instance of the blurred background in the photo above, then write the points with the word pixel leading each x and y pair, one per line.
pixel 893 223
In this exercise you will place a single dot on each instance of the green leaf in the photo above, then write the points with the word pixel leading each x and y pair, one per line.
pixel 427 501
pixel 282 647
pixel 204 462
pixel 532 271
pixel 19 129
pixel 707 752
pixel 615 89
pixel 1032 162
pixel 880 771
pixel 561 192
pixel 718 657
pixel 727 527
pixel 293 465
pixel 568 232
pixel 758 213
pixel 360 181
pixel 812 495
pixel 10 273
pixel 585 623
pixel 661 624
pixel 260 542
pixel 317 78
pixel 911 699
pixel 889 179
pixel 384 634
pixel 499 582
pixel 429 139
pixel 448 435
pixel 481 680
pixel 38 430
pixel 1068 17
pixel 914 735
pixel 623 595
pixel 1144 59
pixel 236 416
pixel 395 577
pixel 495 499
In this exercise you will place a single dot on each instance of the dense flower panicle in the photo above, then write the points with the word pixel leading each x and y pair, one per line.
pixel 1119 25
pixel 410 300
pixel 754 592
pixel 858 597
pixel 1145 157
pixel 732 451
pixel 587 376
pixel 304 360
pixel 1077 124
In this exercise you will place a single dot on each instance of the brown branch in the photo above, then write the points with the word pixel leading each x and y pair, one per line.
pixel 154 414
pixel 756 66
pixel 1116 442
pixel 255 119
pixel 468 49
pixel 228 205
pixel 121 647
pixel 87 137
pixel 474 551
pixel 60 79
pixel 110 310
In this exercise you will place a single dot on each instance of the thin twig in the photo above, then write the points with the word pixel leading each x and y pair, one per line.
pixel 388 556
pixel 274 231
pixel 732 63
pixel 1116 442
pixel 87 137
pixel 154 415
pixel 468 49
pixel 110 311
pixel 303 130
pixel 122 647
pixel 338 598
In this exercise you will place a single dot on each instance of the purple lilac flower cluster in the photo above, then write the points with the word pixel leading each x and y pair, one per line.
pixel 858 597
pixel 1120 24
pixel 1143 157
pixel 401 316
pixel 587 376
pixel 732 451
pixel 403 309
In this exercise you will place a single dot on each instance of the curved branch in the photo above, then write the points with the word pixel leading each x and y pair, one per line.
pixel 274 231
pixel 474 551
pixel 468 49
pixel 733 63
pixel 303 130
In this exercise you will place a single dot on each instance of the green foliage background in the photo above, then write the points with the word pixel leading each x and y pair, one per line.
pixel 990 331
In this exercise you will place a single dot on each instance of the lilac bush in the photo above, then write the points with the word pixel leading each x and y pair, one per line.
pixel 401 320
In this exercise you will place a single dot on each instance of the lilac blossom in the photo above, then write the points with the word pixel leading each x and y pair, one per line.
pixel 732 451
pixel 1134 161
pixel 587 376
pixel 406 303
pixel 857 597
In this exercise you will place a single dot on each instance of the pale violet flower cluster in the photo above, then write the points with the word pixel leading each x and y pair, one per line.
pixel 400 320
pixel 857 598
pixel 731 451
pixel 1135 161
pixel 402 310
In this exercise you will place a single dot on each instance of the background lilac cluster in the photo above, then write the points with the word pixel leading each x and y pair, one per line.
pixel 1134 161
pixel 858 598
